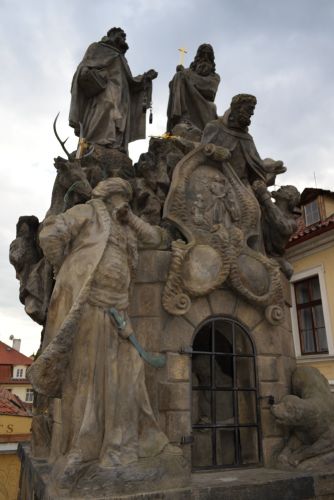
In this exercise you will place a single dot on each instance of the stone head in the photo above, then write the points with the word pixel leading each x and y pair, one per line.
pixel 113 191
pixel 204 62
pixel 27 226
pixel 117 38
pixel 293 411
pixel 288 195
pixel 242 109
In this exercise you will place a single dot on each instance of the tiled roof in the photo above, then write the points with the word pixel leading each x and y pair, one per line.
pixel 9 356
pixel 304 232
pixel 309 194
pixel 10 404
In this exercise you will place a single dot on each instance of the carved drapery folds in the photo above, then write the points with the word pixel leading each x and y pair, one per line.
pixel 220 218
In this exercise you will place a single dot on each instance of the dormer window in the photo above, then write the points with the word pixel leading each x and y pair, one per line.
pixel 19 373
pixel 311 213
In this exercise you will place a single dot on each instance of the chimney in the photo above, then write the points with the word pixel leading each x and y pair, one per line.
pixel 17 344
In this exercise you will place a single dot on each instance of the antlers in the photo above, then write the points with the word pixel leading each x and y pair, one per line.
pixel 80 147
pixel 62 143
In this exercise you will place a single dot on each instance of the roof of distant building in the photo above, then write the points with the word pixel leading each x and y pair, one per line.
pixel 306 232
pixel 10 404
pixel 10 356
pixel 309 194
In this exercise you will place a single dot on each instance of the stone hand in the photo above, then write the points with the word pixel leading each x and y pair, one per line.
pixel 151 74
pixel 260 189
pixel 123 212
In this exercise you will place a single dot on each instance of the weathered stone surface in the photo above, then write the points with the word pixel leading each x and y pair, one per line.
pixel 275 389
pixel 174 396
pixel 253 484
pixel 286 290
pixel 267 368
pixel 233 484
pixel 178 334
pixel 178 367
pixel 324 484
pixel 146 301
pixel 286 367
pixel 167 476
pixel 271 447
pixel 153 266
pixel 162 420
pixel 248 314
pixel 267 338
pixel 270 428
pixel 177 425
pixel 199 311
pixel 223 302
pixel 309 414
pixel 287 319
pixel 287 345
pixel 148 332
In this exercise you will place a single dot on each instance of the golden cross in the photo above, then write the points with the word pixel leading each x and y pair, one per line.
pixel 182 52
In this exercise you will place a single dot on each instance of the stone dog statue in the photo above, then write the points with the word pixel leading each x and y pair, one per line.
pixel 309 413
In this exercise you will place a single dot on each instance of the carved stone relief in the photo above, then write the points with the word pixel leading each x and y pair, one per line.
pixel 220 219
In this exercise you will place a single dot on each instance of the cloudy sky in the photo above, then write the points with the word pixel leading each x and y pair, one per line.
pixel 280 51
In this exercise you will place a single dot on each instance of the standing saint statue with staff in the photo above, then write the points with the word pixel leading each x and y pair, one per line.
pixel 106 99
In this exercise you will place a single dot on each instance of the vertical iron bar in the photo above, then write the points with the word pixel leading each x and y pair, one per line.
pixel 213 395
pixel 235 398
pixel 259 434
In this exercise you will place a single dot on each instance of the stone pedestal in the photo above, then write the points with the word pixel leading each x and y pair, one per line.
pixel 247 484
pixel 170 388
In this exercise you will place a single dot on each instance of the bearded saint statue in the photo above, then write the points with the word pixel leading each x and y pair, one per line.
pixel 192 91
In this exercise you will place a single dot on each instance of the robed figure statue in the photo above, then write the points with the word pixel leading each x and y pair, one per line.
pixel 108 102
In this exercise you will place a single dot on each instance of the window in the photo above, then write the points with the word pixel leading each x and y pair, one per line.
pixel 19 373
pixel 29 395
pixel 311 323
pixel 224 397
pixel 311 212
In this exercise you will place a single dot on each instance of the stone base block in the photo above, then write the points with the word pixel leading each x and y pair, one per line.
pixel 232 484
pixel 167 472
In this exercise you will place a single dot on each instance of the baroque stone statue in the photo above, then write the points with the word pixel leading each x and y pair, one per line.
pixel 231 132
pixel 213 204
pixel 89 360
pixel 309 415
pixel 196 216
pixel 279 220
pixel 193 90
pixel 24 254
pixel 106 99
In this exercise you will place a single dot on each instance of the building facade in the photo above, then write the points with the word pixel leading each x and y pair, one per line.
pixel 15 425
pixel 13 366
pixel 311 252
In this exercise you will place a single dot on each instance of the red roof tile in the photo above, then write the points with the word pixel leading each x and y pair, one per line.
pixel 304 232
pixel 10 404
pixel 9 356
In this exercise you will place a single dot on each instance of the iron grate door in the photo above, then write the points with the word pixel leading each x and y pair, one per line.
pixel 225 414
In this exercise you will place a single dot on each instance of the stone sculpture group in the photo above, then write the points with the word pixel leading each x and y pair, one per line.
pixel 200 191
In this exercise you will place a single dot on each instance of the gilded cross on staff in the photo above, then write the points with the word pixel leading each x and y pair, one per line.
pixel 182 51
